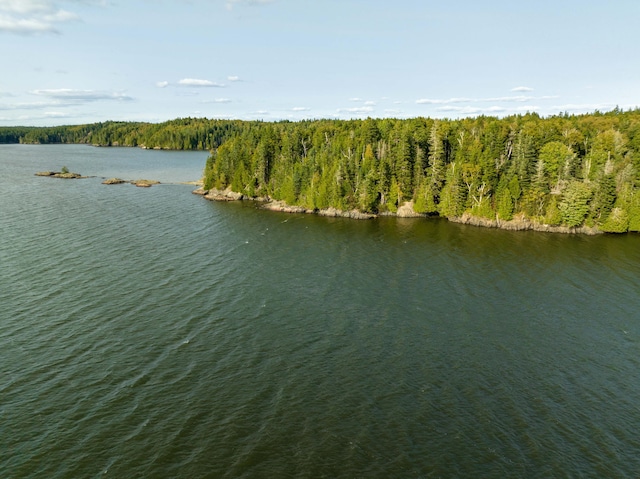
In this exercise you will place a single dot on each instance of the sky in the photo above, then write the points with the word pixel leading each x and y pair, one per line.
pixel 84 61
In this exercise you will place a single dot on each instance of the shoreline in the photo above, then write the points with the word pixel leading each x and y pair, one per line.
pixel 406 210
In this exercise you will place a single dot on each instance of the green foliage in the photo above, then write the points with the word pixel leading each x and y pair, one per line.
pixel 505 205
pixel 617 222
pixel 553 215
pixel 567 170
pixel 64 170
pixel 575 203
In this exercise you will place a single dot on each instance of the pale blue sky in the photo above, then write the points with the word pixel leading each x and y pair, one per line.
pixel 82 61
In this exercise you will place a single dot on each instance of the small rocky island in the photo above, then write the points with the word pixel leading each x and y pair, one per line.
pixel 138 183
pixel 64 173
pixel 144 183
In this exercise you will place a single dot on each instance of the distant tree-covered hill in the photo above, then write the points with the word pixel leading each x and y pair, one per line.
pixel 180 134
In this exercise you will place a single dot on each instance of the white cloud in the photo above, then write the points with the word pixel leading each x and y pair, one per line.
pixel 30 118
pixel 521 89
pixel 370 103
pixel 26 17
pixel 355 99
pixel 517 98
pixel 162 84
pixel 358 109
pixel 502 99
pixel 196 82
pixel 526 108
pixel 585 107
pixel 68 94
pixel 233 78
pixel 428 101
pixel 462 110
pixel 218 100
pixel 300 108
pixel 25 106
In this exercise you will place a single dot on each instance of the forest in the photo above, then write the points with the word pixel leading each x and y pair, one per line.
pixel 179 134
pixel 565 170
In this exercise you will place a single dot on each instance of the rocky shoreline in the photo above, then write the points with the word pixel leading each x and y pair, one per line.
pixel 522 224
pixel 281 206
pixel 404 211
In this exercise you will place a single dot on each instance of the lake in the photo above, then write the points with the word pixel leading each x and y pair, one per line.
pixel 147 332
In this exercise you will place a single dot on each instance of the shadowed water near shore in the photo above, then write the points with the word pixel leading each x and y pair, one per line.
pixel 146 332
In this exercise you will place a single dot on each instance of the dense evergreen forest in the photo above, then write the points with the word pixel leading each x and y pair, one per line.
pixel 566 170
pixel 180 134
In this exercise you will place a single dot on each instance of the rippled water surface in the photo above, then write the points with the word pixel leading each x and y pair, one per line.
pixel 150 333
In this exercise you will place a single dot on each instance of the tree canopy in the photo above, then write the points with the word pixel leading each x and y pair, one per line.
pixel 569 170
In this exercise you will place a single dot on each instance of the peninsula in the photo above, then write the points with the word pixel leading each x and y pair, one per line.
pixel 565 173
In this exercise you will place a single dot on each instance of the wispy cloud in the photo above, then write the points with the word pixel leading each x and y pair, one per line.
pixel 162 84
pixel 358 109
pixel 516 98
pixel 68 94
pixel 28 17
pixel 527 108
pixel 217 100
pixel 501 99
pixel 521 89
pixel 583 107
pixel 233 78
pixel 461 110
pixel 300 108
pixel 429 101
pixel 196 82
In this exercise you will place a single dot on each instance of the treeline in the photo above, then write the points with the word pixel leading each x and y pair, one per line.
pixel 568 170
pixel 180 134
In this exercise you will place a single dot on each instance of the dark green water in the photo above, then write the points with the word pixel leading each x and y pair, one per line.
pixel 150 333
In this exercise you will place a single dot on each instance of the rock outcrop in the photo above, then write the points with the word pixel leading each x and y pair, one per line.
pixel 406 210
pixel 113 181
pixel 522 224
pixel 144 183
pixel 60 174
